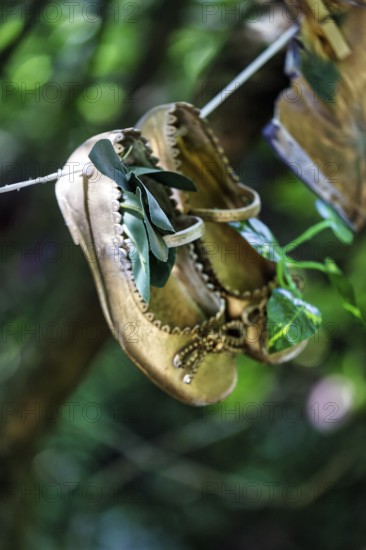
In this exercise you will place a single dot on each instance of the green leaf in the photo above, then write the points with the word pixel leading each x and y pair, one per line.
pixel 160 271
pixel 339 228
pixel 260 237
pixel 290 320
pixel 132 204
pixel 344 288
pixel 158 246
pixel 156 213
pixel 165 177
pixel 321 74
pixel 139 253
pixel 106 160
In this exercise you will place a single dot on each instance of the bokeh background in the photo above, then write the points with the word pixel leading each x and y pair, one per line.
pixel 93 455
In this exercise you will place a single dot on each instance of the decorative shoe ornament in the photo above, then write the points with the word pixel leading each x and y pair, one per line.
pixel 181 339
pixel 185 143
pixel 319 125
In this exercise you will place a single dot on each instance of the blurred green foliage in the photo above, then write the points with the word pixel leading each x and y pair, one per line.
pixel 280 464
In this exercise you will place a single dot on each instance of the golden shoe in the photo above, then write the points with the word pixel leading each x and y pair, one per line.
pixel 184 143
pixel 181 339
pixel 318 128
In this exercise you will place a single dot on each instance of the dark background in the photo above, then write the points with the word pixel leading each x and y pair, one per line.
pixel 94 456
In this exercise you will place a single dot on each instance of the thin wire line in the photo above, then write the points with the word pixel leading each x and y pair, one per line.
pixel 43 179
pixel 249 71
pixel 215 102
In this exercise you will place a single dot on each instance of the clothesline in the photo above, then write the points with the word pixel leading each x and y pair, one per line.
pixel 213 104
pixel 249 71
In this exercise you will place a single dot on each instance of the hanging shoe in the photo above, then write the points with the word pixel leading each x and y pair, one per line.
pixel 319 125
pixel 185 143
pixel 181 339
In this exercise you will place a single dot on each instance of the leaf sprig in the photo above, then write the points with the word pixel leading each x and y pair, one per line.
pixel 290 319
pixel 145 221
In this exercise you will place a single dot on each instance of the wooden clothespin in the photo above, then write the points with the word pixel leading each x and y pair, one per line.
pixel 330 29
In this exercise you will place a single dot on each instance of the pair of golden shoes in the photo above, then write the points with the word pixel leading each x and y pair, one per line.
pixel 213 305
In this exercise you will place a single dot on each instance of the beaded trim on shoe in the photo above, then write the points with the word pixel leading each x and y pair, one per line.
pixel 211 338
